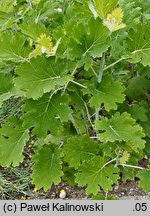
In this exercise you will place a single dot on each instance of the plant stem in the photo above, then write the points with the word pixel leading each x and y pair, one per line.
pixel 94 72
pixel 114 63
pixel 88 115
pixel 132 166
pixel 117 158
pixel 73 72
pixel 30 3
pixel 102 64
pixel 73 121
pixel 101 68
pixel 97 114
pixel 79 84
pixel 108 162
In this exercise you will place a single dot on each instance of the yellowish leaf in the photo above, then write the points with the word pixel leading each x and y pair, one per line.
pixel 7 5
pixel 124 158
pixel 43 45
pixel 114 20
pixel 36 1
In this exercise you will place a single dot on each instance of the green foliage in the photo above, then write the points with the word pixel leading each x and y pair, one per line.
pixel 7 6
pixel 79 149
pixel 94 174
pixel 13 47
pixel 138 88
pixel 132 12
pixel 15 137
pixel 6 84
pixel 46 114
pixel 139 44
pixel 33 30
pixel 108 92
pixel 48 164
pixel 121 128
pixel 40 76
pixel 84 44
pixel 79 72
pixel 103 7
pixel 144 177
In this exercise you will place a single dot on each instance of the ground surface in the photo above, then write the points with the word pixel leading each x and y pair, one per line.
pixel 16 185
pixel 128 190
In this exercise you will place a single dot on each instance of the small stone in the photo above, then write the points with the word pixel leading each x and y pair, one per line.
pixel 116 187
pixel 131 189
pixel 62 194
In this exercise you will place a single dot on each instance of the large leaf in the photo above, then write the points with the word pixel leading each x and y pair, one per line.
pixel 132 12
pixel 7 5
pixel 13 47
pixel 41 75
pixel 5 84
pixel 146 125
pixel 139 44
pixel 89 41
pixel 7 89
pixel 144 176
pixel 109 92
pixel 95 174
pixel 13 138
pixel 33 30
pixel 138 88
pixel 46 114
pixel 47 167
pixel 121 127
pixel 78 149
pixel 103 7
pixel 139 112
pixel 6 20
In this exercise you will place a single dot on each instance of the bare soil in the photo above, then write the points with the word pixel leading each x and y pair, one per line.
pixel 128 190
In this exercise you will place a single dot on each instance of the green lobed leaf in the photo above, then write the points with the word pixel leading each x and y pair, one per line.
pixel 13 47
pixel 6 83
pixel 40 76
pixel 11 93
pixel 144 176
pixel 78 149
pixel 137 88
pixel 109 92
pixel 127 174
pixel 132 12
pixel 88 41
pixel 47 167
pixel 139 112
pixel 121 127
pixel 145 9
pixel 103 7
pixel 7 5
pixel 139 44
pixel 118 44
pixel 33 30
pixel 69 175
pixel 6 20
pixel 146 125
pixel 46 114
pixel 95 174
pixel 79 119
pixel 13 138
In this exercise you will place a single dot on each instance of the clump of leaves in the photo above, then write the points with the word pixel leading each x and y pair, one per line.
pixel 85 101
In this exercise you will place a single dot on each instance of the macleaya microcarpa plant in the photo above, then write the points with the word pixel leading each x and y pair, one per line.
pixel 82 70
